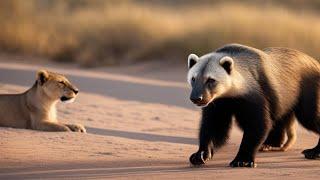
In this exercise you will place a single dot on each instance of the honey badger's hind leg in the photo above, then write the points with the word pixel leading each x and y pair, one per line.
pixel 276 138
pixel 307 111
pixel 313 153
pixel 291 131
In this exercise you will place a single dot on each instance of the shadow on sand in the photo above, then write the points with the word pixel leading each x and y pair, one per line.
pixel 147 93
pixel 141 136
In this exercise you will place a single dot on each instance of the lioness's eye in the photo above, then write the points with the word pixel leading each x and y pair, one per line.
pixel 61 82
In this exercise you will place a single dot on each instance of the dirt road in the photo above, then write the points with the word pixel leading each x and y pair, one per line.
pixel 139 127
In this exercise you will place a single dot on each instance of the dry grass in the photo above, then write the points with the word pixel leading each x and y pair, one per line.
pixel 103 33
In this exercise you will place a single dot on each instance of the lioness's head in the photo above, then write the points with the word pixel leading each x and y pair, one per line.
pixel 56 86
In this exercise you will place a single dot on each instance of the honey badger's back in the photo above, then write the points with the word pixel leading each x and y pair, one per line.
pixel 289 72
pixel 278 73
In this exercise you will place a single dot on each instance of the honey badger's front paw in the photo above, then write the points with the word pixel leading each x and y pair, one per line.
pixel 250 164
pixel 76 128
pixel 200 157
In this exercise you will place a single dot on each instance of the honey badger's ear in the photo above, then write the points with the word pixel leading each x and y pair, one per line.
pixel 42 76
pixel 192 60
pixel 227 63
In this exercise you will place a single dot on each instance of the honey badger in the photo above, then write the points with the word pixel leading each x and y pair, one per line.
pixel 260 89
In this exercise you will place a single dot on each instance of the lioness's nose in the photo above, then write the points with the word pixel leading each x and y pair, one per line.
pixel 76 91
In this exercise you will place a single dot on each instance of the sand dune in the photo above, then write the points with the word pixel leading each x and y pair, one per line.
pixel 138 127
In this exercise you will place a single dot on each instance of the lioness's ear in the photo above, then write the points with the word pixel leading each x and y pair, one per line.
pixel 42 76
pixel 227 63
pixel 192 60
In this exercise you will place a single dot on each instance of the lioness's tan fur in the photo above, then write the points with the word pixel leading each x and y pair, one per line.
pixel 36 108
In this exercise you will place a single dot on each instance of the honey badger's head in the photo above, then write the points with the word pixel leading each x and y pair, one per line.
pixel 209 77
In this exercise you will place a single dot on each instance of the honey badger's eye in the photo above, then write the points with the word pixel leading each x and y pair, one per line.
pixel 211 81
pixel 193 79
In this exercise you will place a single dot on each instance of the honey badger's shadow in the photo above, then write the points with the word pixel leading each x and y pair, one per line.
pixel 141 136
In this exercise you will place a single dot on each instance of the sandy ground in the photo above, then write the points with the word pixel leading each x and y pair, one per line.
pixel 140 126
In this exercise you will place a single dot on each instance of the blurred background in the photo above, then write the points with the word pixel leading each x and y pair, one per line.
pixel 94 33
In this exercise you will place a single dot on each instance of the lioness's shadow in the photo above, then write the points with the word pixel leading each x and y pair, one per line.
pixel 141 136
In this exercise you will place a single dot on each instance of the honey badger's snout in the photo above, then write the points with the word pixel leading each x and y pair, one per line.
pixel 196 97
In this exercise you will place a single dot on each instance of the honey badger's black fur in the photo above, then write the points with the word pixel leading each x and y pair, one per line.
pixel 276 135
pixel 276 138
pixel 257 110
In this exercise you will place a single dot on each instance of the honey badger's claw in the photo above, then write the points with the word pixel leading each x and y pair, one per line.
pixel 250 164
pixel 199 158
pixel 265 148
pixel 196 159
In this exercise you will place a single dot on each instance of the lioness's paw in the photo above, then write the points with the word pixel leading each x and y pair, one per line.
pixel 77 128
pixel 199 158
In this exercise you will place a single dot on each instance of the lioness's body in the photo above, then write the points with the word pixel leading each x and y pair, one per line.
pixel 36 108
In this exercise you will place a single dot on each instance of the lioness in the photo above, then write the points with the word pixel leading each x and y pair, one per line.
pixel 36 108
